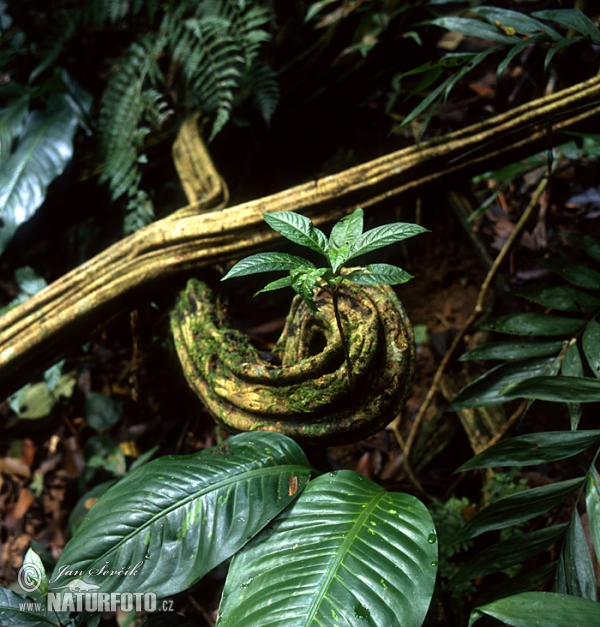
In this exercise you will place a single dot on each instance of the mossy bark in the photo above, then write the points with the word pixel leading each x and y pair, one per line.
pixel 307 396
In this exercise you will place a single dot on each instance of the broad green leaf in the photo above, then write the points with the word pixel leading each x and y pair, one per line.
pixel 379 274
pixel 347 230
pixel 85 503
pixel 517 508
pixel 474 28
pixel 561 297
pixel 572 18
pixel 522 23
pixel 12 118
pixel 177 517
pixel 508 553
pixel 591 346
pixel 486 390
pixel 278 284
pixel 304 282
pixel 587 243
pixel 34 572
pixel 547 609
pixel 592 504
pixel 512 350
pixel 581 581
pixel 533 324
pixel 534 448
pixel 20 611
pixel 267 262
pixel 384 236
pixel 298 229
pixel 44 149
pixel 573 272
pixel 556 389
pixel 346 553
pixel 572 367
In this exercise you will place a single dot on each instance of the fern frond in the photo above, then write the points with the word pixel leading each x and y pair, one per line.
pixel 264 88
pixel 212 65
pixel 122 111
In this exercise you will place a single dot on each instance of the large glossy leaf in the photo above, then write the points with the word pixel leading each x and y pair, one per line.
pixel 347 230
pixel 573 18
pixel 19 611
pixel 384 236
pixel 518 507
pixel 560 297
pixel 175 518
pixel 573 272
pixel 44 149
pixel 581 581
pixel 508 553
pixel 475 28
pixel 533 324
pixel 346 553
pixel 591 346
pixel 486 390
pixel 534 448
pixel 592 503
pixel 572 367
pixel 556 389
pixel 298 229
pixel 547 609
pixel 512 350
pixel 521 22
pixel 267 262
pixel 12 118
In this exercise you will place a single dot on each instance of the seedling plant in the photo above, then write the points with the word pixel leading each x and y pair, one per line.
pixel 346 242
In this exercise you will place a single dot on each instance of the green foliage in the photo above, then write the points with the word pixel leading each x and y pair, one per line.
pixel 512 31
pixel 353 549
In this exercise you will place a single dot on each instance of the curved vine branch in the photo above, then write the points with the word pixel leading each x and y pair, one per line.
pixel 37 333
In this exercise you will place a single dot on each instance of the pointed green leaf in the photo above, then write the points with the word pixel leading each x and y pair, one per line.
pixel 510 55
pixel 572 367
pixel 347 230
pixel 508 553
pixel 556 389
pixel 562 297
pixel 534 448
pixel 533 324
pixel 35 573
pixel 517 508
pixel 486 390
pixel 573 272
pixel 278 284
pixel 521 22
pixel 560 577
pixel 384 236
pixel 298 229
pixel 186 513
pixel 337 257
pixel 346 553
pixel 591 346
pixel 474 28
pixel 572 18
pixel 592 504
pixel 380 274
pixel 434 96
pixel 587 243
pixel 541 608
pixel 20 611
pixel 581 581
pixel 267 262
pixel 512 350
pixel 44 149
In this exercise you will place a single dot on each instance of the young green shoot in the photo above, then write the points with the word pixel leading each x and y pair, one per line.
pixel 345 242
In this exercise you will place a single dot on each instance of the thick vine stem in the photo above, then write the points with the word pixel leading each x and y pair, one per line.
pixel 307 395
pixel 38 332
